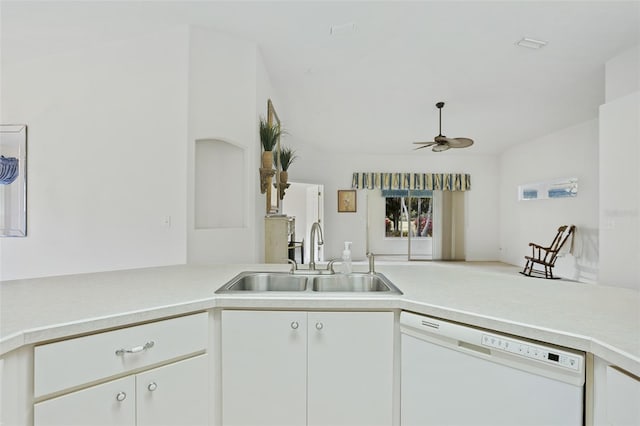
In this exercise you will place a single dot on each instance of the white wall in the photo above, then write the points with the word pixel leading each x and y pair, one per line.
pixel 264 91
pixel 619 176
pixel 112 131
pixel 620 192
pixel 571 152
pixel 106 150
pixel 335 172
pixel 622 74
pixel 222 105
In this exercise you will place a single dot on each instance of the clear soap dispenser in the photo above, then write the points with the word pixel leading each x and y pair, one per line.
pixel 346 258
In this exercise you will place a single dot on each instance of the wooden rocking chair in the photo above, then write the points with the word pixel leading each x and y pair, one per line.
pixel 546 256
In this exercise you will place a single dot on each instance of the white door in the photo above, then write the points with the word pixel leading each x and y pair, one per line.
pixel 174 395
pixel 109 404
pixel 420 207
pixel 350 368
pixel 305 202
pixel 264 364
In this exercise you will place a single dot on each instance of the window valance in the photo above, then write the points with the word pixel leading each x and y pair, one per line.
pixel 427 181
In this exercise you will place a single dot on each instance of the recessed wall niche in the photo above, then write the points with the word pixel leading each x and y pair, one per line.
pixel 219 185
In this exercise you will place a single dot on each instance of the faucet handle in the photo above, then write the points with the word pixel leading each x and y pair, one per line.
pixel 372 266
pixel 330 266
pixel 294 265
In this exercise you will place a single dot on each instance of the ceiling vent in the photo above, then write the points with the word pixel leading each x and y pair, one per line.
pixel 531 43
pixel 343 29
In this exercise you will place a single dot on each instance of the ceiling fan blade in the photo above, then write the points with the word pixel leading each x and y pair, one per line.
pixel 441 147
pixel 460 142
pixel 425 143
pixel 420 147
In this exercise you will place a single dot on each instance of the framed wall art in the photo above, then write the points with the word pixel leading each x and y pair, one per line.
pixel 557 188
pixel 13 180
pixel 347 201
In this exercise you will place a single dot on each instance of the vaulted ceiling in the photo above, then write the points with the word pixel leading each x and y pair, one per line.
pixel 375 89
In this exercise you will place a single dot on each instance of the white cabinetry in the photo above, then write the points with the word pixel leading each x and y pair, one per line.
pixel 616 395
pixel 264 363
pixel 174 395
pixel 315 368
pixel 171 395
pixel 111 403
pixel 350 368
pixel 150 374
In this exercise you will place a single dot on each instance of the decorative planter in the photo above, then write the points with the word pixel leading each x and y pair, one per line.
pixel 267 160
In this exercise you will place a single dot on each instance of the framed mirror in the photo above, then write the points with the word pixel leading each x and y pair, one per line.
pixel 273 200
pixel 13 180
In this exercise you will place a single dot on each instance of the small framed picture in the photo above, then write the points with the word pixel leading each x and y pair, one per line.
pixel 13 180
pixel 347 201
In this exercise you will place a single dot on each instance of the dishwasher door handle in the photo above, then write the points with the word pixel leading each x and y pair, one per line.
pixel 475 348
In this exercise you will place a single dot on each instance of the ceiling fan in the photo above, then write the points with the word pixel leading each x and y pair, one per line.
pixel 442 143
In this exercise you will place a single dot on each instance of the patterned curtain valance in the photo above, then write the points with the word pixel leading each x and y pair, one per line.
pixel 428 181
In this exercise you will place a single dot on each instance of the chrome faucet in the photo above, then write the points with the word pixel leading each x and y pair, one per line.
pixel 372 267
pixel 315 229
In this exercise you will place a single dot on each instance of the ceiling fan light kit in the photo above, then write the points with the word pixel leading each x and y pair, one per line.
pixel 441 142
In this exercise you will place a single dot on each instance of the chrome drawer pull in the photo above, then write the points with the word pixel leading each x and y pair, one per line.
pixel 136 349
pixel 121 396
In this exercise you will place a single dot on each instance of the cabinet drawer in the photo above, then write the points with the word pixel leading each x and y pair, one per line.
pixel 73 362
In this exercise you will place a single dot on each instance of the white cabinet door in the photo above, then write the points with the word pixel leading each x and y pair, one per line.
pixel 264 362
pixel 350 369
pixel 623 398
pixel 174 395
pixel 112 403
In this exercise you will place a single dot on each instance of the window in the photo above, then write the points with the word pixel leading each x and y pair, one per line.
pixel 404 214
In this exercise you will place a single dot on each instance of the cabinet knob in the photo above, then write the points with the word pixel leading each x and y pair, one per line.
pixel 319 325
pixel 121 396
pixel 152 386
pixel 295 325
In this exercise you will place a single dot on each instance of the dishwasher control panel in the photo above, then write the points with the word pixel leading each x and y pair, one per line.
pixel 532 351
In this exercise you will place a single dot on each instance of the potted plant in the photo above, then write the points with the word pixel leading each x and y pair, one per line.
pixel 287 155
pixel 269 134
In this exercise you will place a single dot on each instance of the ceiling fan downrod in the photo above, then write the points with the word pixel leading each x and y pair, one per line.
pixel 439 105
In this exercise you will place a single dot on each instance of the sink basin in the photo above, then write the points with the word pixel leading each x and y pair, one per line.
pixel 353 283
pixel 311 282
pixel 265 281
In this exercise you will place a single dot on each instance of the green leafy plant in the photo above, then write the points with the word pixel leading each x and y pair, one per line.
pixel 287 155
pixel 269 134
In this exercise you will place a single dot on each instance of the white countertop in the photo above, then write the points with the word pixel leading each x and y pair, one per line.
pixel 598 319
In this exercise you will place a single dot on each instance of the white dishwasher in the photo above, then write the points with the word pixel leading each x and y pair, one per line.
pixel 459 375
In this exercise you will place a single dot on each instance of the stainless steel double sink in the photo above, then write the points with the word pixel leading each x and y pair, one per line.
pixel 314 281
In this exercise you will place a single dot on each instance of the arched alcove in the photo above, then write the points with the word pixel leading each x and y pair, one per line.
pixel 219 185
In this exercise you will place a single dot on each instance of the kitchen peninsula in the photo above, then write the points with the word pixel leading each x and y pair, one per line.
pixel 599 320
